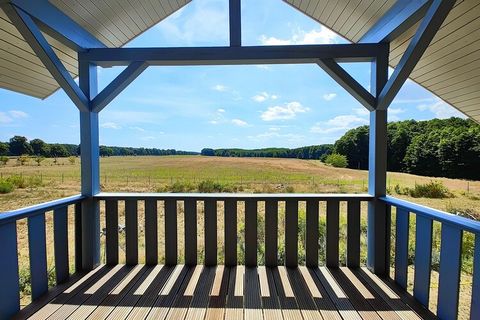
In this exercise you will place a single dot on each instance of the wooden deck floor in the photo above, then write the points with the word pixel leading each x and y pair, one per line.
pixel 180 292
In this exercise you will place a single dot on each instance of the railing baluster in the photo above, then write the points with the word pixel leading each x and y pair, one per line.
pixel 251 233
pixel 401 247
pixel 131 231
pixel 210 232
pixel 78 236
pixel 475 304
pixel 291 229
pixel 171 245
pixel 449 274
pixel 60 242
pixel 38 255
pixel 111 223
pixel 423 257
pixel 271 233
pixel 332 233
pixel 353 234
pixel 151 232
pixel 230 219
pixel 190 218
pixel 9 278
pixel 311 237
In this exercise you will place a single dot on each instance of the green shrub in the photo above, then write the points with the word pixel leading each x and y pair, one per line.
pixel 18 181
pixel 23 159
pixel 179 187
pixel 337 160
pixel 433 189
pixel 3 160
pixel 6 186
pixel 209 186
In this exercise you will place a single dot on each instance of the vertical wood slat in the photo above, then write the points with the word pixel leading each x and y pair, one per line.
pixel 210 207
pixel 251 233
pixel 131 231
pixel 9 278
pixel 271 233
pixel 151 232
pixel 291 227
pixel 423 257
pixel 38 255
pixel 449 274
pixel 78 237
pixel 333 218
pixel 475 302
pixel 60 230
pixel 388 258
pixel 353 234
pixel 190 218
pixel 230 219
pixel 401 247
pixel 111 224
pixel 311 237
pixel 171 244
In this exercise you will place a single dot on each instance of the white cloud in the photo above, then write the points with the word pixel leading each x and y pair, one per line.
pixel 361 111
pixel 18 114
pixel 140 129
pixel 338 124
pixel 329 96
pixel 441 110
pixel 288 111
pixel 110 125
pixel 263 96
pixel 221 110
pixel 272 134
pixel 315 36
pixel 239 123
pixel 10 116
pixel 220 88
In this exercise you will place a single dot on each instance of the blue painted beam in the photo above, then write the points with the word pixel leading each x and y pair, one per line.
pixel 34 37
pixel 423 259
pixel 401 247
pixel 90 170
pixel 235 22
pixel 183 56
pixel 429 26
pixel 9 278
pixel 399 18
pixel 58 25
pixel 37 247
pixel 117 85
pixel 348 83
pixel 60 232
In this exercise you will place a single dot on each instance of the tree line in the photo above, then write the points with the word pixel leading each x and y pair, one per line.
pixel 439 147
pixel 309 152
pixel 19 145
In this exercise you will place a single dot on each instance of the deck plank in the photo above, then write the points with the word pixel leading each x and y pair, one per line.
pixel 219 292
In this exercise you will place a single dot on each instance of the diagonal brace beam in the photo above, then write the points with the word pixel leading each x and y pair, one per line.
pixel 45 53
pixel 117 85
pixel 434 18
pixel 348 83
pixel 58 25
pixel 401 16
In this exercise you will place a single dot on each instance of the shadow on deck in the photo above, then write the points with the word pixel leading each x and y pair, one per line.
pixel 199 292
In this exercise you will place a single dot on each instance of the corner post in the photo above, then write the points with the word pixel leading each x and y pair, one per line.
pixel 377 230
pixel 235 22
pixel 90 172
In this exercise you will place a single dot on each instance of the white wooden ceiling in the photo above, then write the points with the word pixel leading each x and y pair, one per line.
pixel 113 22
pixel 450 68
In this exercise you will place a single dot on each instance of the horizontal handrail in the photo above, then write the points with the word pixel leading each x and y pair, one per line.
pixel 14 215
pixel 434 214
pixel 238 196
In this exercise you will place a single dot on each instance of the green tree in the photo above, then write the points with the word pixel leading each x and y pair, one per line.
pixel 19 145
pixel 58 150
pixel 39 147
pixel 4 147
pixel 337 160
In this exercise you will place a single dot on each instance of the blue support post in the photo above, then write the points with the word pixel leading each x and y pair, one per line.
pixel 377 251
pixel 90 175
pixel 235 19
pixel 9 279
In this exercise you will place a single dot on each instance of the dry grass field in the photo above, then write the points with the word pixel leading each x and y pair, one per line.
pixel 152 174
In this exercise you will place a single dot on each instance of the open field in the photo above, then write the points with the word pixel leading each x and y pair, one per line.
pixel 150 174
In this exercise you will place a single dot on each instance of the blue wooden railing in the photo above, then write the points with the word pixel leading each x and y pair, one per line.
pixel 9 271
pixel 452 229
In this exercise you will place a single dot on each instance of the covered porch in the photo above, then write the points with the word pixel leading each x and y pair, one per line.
pixel 214 280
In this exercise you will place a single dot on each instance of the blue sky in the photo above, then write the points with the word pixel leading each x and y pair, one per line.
pixel 189 108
